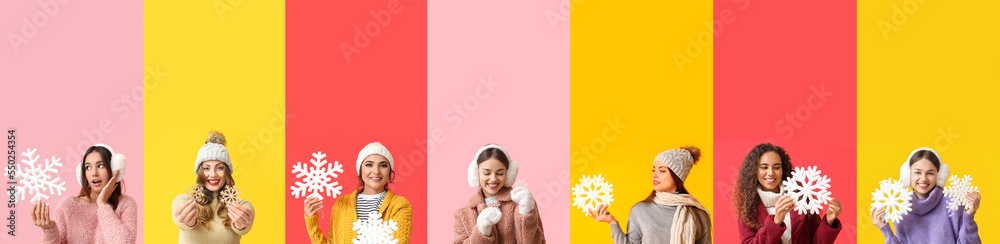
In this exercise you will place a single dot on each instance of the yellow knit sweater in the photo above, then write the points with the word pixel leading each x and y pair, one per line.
pixel 218 234
pixel 343 215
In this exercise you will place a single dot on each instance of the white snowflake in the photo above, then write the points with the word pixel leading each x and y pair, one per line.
pixel 591 191
pixel 37 179
pixel 374 230
pixel 317 179
pixel 893 196
pixel 230 196
pixel 520 183
pixel 956 190
pixel 808 187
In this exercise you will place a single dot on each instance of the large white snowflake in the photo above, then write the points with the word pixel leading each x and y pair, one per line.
pixel 37 179
pixel 374 230
pixel 316 179
pixel 591 191
pixel 893 196
pixel 808 187
pixel 956 190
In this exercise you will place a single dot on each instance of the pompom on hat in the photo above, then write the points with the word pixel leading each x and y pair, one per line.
pixel 474 167
pixel 117 163
pixel 904 170
pixel 214 149
pixel 374 148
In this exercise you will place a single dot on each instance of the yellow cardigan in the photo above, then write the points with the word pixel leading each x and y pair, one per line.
pixel 344 214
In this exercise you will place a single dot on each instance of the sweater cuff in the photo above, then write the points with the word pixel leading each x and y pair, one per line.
pixel 886 231
pixel 311 221
pixel 50 234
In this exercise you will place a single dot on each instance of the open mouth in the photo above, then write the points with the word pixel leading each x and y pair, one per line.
pixel 923 185
pixel 492 185
pixel 96 182
pixel 375 179
pixel 770 180
pixel 214 182
pixel 656 183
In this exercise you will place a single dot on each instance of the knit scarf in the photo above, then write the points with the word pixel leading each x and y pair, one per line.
pixel 770 199
pixel 685 226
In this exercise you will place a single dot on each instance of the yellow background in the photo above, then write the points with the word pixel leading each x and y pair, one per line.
pixel 937 73
pixel 224 74
pixel 622 67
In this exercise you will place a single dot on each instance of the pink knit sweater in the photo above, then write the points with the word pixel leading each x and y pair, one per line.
pixel 78 222
pixel 513 227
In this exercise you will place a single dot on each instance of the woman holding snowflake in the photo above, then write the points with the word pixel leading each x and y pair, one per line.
pixel 669 214
pixel 375 172
pixel 930 221
pixel 100 213
pixel 765 215
pixel 212 212
pixel 496 213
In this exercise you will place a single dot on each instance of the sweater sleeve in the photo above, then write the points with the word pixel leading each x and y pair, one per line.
pixel 528 228
pixel 246 230
pixel 769 233
pixel 117 226
pixel 312 225
pixel 706 222
pixel 58 233
pixel 466 231
pixel 178 203
pixel 634 235
pixel 887 233
pixel 968 231
pixel 825 233
pixel 403 216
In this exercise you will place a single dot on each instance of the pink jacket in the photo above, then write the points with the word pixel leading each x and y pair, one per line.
pixel 513 227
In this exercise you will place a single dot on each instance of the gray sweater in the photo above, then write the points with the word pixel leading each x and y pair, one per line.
pixel 649 222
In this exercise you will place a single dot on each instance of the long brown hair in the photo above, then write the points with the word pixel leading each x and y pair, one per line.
pixel 696 155
pixel 106 158
pixel 745 197
pixel 204 211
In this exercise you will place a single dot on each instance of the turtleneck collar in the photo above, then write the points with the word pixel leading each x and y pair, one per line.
pixel 923 206
pixel 768 198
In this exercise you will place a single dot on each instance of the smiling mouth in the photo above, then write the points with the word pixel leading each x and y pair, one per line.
pixel 923 185
pixel 375 179
pixel 492 185
pixel 656 182
pixel 769 180
pixel 214 182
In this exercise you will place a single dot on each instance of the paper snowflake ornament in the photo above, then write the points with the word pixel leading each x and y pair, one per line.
pixel 520 183
pixel 316 179
pixel 374 230
pixel 230 196
pixel 894 197
pixel 37 179
pixel 196 193
pixel 591 191
pixel 956 190
pixel 808 187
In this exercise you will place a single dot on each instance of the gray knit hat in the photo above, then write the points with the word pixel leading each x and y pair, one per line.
pixel 678 161
pixel 214 149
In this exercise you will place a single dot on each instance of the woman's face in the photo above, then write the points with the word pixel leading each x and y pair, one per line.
pixel 96 171
pixel 769 171
pixel 375 172
pixel 923 176
pixel 492 176
pixel 662 181
pixel 215 174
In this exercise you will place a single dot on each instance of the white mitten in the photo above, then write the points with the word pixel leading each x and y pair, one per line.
pixel 489 217
pixel 525 203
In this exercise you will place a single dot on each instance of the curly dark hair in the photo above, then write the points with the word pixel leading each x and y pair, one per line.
pixel 745 195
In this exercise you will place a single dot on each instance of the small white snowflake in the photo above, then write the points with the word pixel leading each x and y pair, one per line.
pixel 317 179
pixel 374 230
pixel 230 196
pixel 808 187
pixel 893 196
pixel 956 190
pixel 37 179
pixel 520 183
pixel 591 191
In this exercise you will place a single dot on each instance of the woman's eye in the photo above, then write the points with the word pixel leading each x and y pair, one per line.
pixel 89 168
pixel 100 166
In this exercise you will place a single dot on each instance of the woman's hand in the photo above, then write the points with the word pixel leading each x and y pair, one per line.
pixel 832 211
pixel 601 214
pixel 40 215
pixel 108 188
pixel 781 208
pixel 188 213
pixel 973 199
pixel 312 205
pixel 877 216
pixel 241 216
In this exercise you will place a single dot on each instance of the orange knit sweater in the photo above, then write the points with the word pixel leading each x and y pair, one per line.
pixel 513 227
pixel 343 215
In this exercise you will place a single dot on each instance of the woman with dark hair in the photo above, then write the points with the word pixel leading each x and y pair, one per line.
pixel 669 214
pixel 496 213
pixel 202 216
pixel 930 221
pixel 100 213
pixel 765 215
pixel 375 172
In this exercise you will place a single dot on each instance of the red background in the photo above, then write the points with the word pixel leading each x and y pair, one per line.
pixel 766 63
pixel 338 107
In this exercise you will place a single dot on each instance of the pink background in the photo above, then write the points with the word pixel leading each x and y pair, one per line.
pixel 528 114
pixel 71 75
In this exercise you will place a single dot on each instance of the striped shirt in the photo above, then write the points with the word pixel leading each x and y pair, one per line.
pixel 368 203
